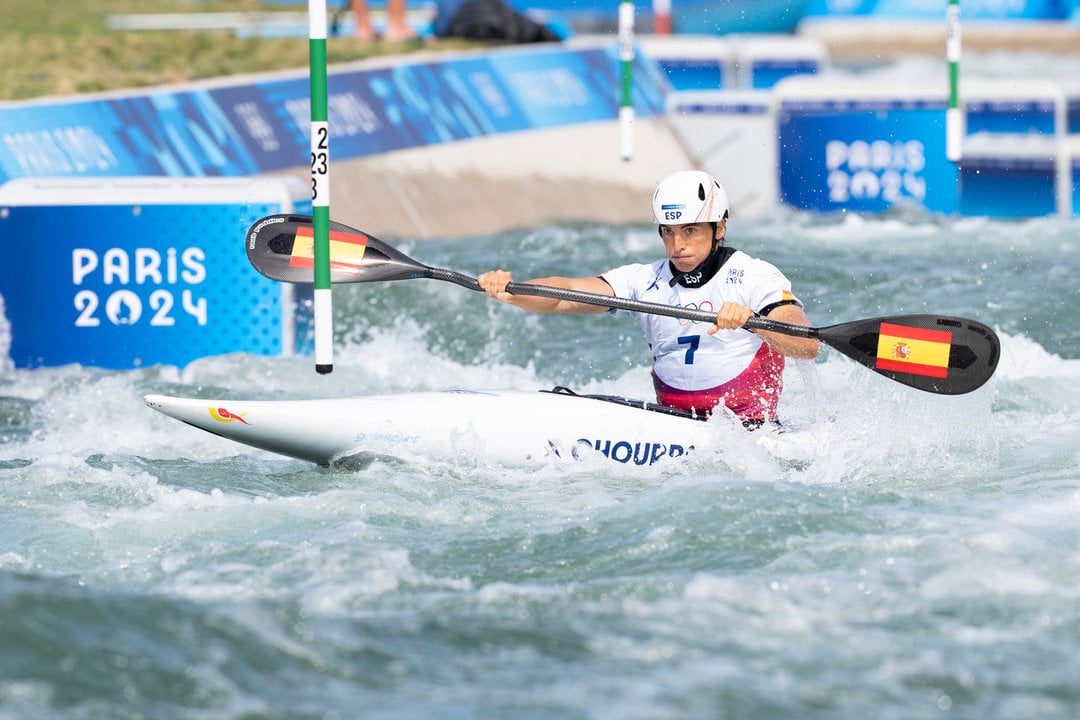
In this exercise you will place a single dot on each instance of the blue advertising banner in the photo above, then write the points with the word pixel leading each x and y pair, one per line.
pixel 76 139
pixel 246 129
pixel 405 106
pixel 180 134
pixel 865 155
pixel 125 282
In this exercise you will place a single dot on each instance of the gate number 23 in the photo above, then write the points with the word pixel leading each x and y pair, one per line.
pixel 320 163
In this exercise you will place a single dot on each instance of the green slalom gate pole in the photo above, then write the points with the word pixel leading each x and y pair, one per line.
pixel 320 188
pixel 626 58
pixel 954 118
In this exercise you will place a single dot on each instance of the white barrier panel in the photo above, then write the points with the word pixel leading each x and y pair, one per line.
pixel 732 136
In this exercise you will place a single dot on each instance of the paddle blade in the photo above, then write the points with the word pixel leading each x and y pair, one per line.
pixel 281 247
pixel 935 353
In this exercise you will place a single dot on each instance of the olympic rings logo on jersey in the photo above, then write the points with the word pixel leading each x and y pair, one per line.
pixel 705 306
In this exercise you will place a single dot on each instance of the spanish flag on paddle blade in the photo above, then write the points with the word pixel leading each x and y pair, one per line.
pixel 346 250
pixel 914 351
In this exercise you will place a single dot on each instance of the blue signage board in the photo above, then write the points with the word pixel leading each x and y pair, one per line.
pixel 766 72
pixel 133 284
pixel 1008 186
pixel 694 73
pixel 1006 115
pixel 864 156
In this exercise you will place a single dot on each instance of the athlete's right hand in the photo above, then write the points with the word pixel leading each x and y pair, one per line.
pixel 730 316
pixel 494 283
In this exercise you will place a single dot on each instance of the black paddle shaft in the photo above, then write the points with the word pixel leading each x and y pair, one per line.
pixel 580 296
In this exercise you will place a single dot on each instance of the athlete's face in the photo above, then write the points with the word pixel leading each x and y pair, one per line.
pixel 688 245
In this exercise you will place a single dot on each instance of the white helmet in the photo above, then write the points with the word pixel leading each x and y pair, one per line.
pixel 687 197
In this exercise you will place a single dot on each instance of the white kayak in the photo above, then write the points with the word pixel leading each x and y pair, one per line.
pixel 501 426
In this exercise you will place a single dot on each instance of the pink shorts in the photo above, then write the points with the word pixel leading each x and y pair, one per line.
pixel 752 396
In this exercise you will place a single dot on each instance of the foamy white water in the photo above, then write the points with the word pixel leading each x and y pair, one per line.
pixel 899 555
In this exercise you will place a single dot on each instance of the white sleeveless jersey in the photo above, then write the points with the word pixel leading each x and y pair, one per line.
pixel 685 355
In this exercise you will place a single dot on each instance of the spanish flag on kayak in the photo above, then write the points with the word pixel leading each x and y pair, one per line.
pixel 913 350
pixel 346 250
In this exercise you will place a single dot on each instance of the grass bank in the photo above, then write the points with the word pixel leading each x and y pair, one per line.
pixel 64 47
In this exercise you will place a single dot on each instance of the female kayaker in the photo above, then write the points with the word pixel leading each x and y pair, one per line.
pixel 693 370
